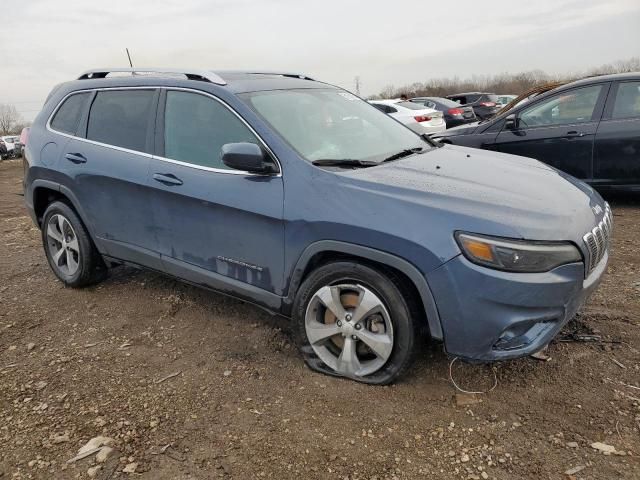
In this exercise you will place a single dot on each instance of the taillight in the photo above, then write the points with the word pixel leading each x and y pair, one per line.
pixel 455 111
pixel 488 104
pixel 422 118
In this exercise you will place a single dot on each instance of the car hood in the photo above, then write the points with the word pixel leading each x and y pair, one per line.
pixel 488 192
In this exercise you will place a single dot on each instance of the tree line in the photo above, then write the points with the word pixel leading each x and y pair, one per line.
pixel 11 122
pixel 504 83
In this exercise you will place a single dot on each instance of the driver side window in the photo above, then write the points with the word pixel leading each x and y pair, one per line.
pixel 573 106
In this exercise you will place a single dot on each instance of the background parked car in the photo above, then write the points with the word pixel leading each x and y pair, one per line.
pixel 21 142
pixel 3 150
pixel 484 105
pixel 589 129
pixel 417 117
pixel 505 99
pixel 10 143
pixel 454 113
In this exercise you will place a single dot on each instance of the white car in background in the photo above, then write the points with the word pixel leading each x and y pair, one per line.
pixel 504 99
pixel 417 117
pixel 10 143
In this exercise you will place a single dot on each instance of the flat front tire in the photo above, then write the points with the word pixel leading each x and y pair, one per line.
pixel 353 321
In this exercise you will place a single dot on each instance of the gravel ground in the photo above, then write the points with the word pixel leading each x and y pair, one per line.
pixel 187 384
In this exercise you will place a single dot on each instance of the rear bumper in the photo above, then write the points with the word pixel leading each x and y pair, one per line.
pixel 457 121
pixel 421 128
pixel 489 315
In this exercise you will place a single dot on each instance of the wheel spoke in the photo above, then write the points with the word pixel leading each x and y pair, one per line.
pixel 348 362
pixel 330 298
pixel 51 232
pixel 57 256
pixel 73 245
pixel 318 332
pixel 380 343
pixel 368 304
pixel 72 265
pixel 61 224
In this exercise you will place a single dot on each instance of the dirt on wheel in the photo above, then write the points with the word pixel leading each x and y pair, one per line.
pixel 183 383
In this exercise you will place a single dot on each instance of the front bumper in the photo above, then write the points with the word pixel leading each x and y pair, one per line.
pixel 489 315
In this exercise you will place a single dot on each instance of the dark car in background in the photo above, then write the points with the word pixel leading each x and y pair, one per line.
pixel 589 128
pixel 454 113
pixel 3 150
pixel 484 105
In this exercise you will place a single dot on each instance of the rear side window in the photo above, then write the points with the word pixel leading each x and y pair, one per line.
pixel 121 118
pixel 627 103
pixel 67 117
pixel 384 108
pixel 196 128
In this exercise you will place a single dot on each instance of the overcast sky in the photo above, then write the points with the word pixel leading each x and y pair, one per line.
pixel 44 42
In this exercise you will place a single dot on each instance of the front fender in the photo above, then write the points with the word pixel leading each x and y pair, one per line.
pixel 373 255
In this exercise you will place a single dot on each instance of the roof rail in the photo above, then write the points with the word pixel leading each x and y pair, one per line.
pixel 267 72
pixel 202 75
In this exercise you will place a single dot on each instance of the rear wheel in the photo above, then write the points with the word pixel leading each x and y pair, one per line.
pixel 353 322
pixel 69 249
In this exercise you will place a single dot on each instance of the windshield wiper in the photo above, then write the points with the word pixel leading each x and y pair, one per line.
pixel 403 153
pixel 340 162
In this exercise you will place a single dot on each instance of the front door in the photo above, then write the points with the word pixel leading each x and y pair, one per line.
pixel 558 130
pixel 216 226
pixel 617 144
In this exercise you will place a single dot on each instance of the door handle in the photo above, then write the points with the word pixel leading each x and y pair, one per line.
pixel 76 158
pixel 574 133
pixel 167 179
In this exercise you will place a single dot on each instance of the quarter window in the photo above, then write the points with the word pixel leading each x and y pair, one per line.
pixel 121 118
pixel 67 117
pixel 573 106
pixel 627 100
pixel 196 128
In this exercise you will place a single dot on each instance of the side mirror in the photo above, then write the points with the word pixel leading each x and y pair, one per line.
pixel 245 156
pixel 511 122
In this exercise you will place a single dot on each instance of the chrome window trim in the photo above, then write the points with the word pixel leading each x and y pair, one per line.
pixel 158 157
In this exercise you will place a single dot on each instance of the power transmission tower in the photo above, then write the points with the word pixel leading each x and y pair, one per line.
pixel 357 80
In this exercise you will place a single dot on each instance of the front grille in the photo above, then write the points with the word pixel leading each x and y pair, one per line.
pixel 597 240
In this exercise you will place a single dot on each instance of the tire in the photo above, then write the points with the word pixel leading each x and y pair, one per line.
pixel 383 340
pixel 70 252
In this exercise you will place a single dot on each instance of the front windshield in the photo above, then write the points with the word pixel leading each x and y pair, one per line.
pixel 330 124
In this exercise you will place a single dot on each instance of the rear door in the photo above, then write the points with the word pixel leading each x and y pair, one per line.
pixel 617 141
pixel 558 130
pixel 216 226
pixel 108 162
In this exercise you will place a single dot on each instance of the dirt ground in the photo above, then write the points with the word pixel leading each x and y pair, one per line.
pixel 193 385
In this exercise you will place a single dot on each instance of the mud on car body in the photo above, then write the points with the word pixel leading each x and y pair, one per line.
pixel 302 198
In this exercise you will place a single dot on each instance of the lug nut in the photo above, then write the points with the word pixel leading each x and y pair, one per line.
pixel 354 337
pixel 348 317
pixel 358 326
pixel 339 323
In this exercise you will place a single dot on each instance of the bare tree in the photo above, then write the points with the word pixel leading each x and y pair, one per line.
pixel 507 83
pixel 9 117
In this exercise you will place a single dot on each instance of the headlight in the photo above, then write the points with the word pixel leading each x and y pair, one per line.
pixel 516 255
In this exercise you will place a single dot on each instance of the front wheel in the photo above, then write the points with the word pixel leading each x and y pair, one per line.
pixel 353 321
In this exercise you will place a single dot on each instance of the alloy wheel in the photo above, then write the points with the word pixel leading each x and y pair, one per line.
pixel 349 329
pixel 62 244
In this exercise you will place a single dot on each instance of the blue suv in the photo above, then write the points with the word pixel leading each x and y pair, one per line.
pixel 302 198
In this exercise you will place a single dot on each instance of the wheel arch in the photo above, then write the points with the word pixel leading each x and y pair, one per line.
pixel 325 251
pixel 44 192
